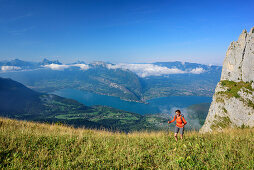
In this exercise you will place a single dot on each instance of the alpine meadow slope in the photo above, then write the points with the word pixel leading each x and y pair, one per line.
pixel 233 101
pixel 19 102
pixel 29 145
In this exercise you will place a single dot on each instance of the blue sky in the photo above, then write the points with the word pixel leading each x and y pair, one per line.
pixel 130 31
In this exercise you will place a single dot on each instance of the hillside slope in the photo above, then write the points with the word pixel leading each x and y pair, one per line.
pixel 233 101
pixel 20 102
pixel 27 145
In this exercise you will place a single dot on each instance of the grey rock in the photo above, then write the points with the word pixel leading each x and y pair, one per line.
pixel 248 61
pixel 238 66
pixel 232 65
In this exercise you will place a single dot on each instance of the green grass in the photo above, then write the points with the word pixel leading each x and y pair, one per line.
pixel 250 103
pixel 234 87
pixel 25 145
pixel 221 122
pixel 225 110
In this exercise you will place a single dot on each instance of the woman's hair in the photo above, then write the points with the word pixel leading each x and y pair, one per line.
pixel 178 111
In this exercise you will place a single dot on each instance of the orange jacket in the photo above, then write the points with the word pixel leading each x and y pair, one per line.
pixel 179 122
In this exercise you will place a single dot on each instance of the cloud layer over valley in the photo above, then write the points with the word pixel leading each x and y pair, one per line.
pixel 142 70
pixel 10 68
pixel 63 66
pixel 145 70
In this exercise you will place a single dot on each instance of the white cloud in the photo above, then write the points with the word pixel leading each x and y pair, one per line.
pixel 56 66
pixel 81 66
pixel 145 70
pixel 9 68
pixel 62 66
pixel 197 70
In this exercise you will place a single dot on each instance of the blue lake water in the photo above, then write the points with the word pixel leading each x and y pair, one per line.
pixel 158 105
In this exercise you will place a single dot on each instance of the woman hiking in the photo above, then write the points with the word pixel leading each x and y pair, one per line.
pixel 180 122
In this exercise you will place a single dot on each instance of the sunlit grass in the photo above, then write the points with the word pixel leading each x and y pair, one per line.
pixel 35 145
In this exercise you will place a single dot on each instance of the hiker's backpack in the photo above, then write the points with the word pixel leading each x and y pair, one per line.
pixel 181 117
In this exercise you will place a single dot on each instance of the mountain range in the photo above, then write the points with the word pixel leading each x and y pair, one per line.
pixel 132 82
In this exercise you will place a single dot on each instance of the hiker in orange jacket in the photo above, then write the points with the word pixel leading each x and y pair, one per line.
pixel 180 123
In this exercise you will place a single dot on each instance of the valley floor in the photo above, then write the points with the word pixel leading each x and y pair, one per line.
pixel 26 145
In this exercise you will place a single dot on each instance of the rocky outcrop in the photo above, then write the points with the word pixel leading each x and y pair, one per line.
pixel 233 101
pixel 239 62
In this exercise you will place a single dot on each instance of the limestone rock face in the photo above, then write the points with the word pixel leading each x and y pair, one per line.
pixel 233 101
pixel 248 61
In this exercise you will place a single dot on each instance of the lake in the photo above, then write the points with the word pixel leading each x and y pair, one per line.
pixel 158 105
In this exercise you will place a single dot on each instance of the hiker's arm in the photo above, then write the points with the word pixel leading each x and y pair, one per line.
pixel 184 121
pixel 172 120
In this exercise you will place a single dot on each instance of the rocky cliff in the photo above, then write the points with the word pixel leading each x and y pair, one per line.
pixel 233 100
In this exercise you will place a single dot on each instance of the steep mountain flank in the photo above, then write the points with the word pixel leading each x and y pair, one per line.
pixel 19 102
pixel 233 101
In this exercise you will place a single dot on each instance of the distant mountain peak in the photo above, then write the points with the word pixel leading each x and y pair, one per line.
pixel 79 62
pixel 99 63
pixel 45 61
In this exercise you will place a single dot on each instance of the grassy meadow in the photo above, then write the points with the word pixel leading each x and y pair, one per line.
pixel 26 145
